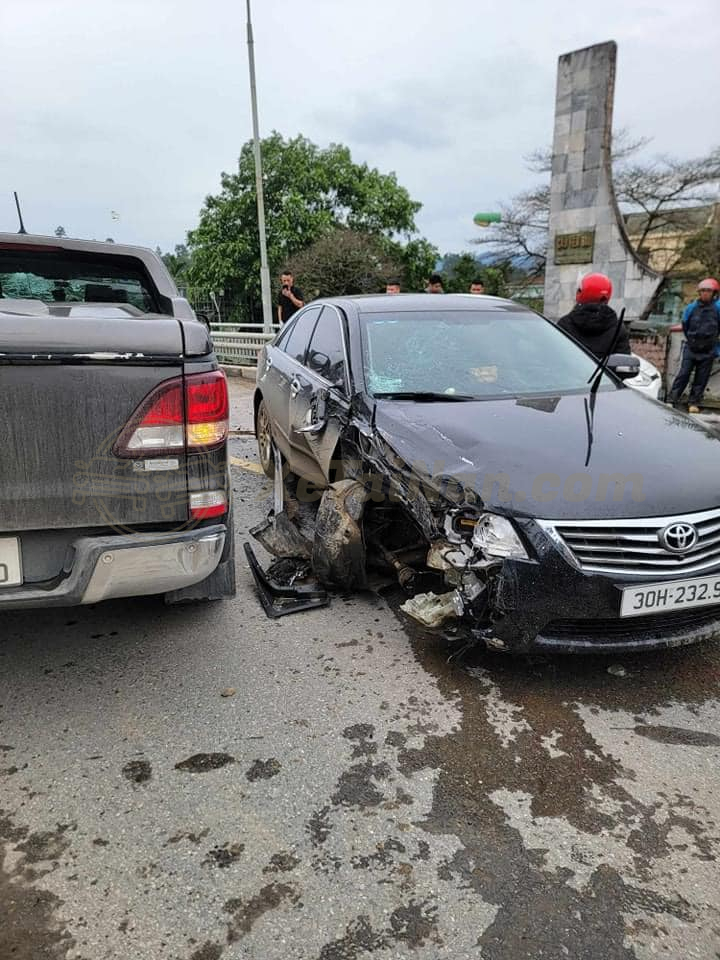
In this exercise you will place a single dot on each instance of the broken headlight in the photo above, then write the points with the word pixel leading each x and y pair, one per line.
pixel 495 536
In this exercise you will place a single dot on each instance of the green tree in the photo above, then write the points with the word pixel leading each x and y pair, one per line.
pixel 177 262
pixel 344 262
pixel 309 191
pixel 460 271
pixel 418 258
pixel 496 278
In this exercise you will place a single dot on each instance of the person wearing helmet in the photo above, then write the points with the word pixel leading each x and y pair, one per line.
pixel 701 325
pixel 592 322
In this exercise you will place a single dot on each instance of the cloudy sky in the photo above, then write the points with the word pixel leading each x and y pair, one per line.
pixel 136 106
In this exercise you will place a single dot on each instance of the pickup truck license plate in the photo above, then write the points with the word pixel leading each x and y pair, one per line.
pixel 10 568
pixel 672 595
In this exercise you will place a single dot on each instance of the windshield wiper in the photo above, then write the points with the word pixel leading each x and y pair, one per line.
pixel 595 381
pixel 423 396
pixel 596 376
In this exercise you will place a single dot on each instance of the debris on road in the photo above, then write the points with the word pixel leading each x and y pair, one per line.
pixel 263 770
pixel 203 762
pixel 137 771
pixel 280 599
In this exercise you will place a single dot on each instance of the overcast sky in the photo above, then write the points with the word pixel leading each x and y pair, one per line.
pixel 136 106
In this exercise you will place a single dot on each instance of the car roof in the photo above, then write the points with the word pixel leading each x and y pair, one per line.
pixel 414 302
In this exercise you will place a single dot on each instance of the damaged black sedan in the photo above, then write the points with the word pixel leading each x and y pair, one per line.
pixel 509 482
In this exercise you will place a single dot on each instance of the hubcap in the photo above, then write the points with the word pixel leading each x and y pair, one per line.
pixel 264 437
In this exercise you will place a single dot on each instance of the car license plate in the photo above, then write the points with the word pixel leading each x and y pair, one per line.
pixel 10 568
pixel 672 595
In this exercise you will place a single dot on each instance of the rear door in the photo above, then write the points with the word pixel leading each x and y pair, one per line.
pixel 320 396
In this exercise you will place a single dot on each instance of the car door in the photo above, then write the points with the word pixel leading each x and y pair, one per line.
pixel 282 363
pixel 319 396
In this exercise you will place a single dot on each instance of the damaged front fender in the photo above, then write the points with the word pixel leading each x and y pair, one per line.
pixel 338 554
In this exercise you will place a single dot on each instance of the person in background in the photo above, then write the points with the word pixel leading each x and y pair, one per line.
pixel 701 325
pixel 290 298
pixel 392 286
pixel 435 284
pixel 477 286
pixel 592 321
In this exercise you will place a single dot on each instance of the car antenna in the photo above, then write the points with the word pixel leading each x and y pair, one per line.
pixel 19 213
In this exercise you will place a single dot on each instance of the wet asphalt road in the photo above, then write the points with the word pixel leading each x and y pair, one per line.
pixel 357 796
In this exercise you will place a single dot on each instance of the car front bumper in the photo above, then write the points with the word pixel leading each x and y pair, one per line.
pixel 131 565
pixel 548 605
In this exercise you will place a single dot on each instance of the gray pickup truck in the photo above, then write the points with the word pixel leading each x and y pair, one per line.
pixel 114 466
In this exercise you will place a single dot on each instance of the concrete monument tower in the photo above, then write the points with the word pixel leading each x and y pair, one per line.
pixel 587 233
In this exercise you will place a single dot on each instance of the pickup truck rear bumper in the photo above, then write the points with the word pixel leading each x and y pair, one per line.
pixel 126 566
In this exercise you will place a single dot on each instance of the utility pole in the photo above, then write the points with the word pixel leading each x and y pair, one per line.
pixel 264 270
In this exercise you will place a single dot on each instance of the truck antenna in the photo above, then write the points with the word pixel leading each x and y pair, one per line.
pixel 19 213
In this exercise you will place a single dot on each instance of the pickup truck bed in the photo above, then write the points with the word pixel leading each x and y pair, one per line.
pixel 113 480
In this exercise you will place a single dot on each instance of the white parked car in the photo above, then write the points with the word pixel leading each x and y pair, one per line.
pixel 648 381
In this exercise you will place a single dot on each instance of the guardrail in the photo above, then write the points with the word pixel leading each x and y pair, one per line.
pixel 238 346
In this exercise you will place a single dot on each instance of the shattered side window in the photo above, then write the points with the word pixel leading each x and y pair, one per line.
pixel 481 354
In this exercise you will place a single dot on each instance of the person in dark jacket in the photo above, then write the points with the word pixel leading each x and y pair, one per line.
pixel 701 325
pixel 592 321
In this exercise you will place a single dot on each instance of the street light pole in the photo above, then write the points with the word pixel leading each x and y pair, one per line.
pixel 264 270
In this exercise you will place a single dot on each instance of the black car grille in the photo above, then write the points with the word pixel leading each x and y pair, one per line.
pixel 633 548
pixel 656 625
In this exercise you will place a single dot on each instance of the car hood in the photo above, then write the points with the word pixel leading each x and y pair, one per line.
pixel 670 463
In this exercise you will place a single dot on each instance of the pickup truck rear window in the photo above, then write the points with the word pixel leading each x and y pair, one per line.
pixel 68 277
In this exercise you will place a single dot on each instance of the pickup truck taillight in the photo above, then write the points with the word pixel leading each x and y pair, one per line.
pixel 183 414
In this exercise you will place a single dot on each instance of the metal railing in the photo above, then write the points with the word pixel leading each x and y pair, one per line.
pixel 239 343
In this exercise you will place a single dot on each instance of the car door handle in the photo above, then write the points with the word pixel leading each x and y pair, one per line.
pixel 295 387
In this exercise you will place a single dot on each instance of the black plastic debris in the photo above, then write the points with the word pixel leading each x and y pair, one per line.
pixel 281 597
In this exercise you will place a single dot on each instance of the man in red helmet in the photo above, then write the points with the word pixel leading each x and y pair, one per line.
pixel 701 324
pixel 592 321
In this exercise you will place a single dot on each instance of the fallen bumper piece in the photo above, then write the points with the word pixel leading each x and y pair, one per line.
pixel 280 599
pixel 433 609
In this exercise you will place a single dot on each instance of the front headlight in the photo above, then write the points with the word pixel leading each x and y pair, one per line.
pixel 496 537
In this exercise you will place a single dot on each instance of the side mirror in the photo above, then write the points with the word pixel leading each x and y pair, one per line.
pixel 319 362
pixel 203 318
pixel 624 366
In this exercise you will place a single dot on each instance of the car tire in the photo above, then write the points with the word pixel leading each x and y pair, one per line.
pixel 263 432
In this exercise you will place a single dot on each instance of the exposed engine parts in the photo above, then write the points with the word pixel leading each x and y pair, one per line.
pixel 364 527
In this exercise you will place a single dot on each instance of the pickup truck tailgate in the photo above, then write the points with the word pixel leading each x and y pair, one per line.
pixel 68 386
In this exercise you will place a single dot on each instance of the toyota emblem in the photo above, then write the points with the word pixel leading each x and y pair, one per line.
pixel 678 537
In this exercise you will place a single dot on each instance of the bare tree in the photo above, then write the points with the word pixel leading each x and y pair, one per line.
pixel 666 192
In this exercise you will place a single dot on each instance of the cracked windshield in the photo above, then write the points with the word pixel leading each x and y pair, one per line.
pixel 485 355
